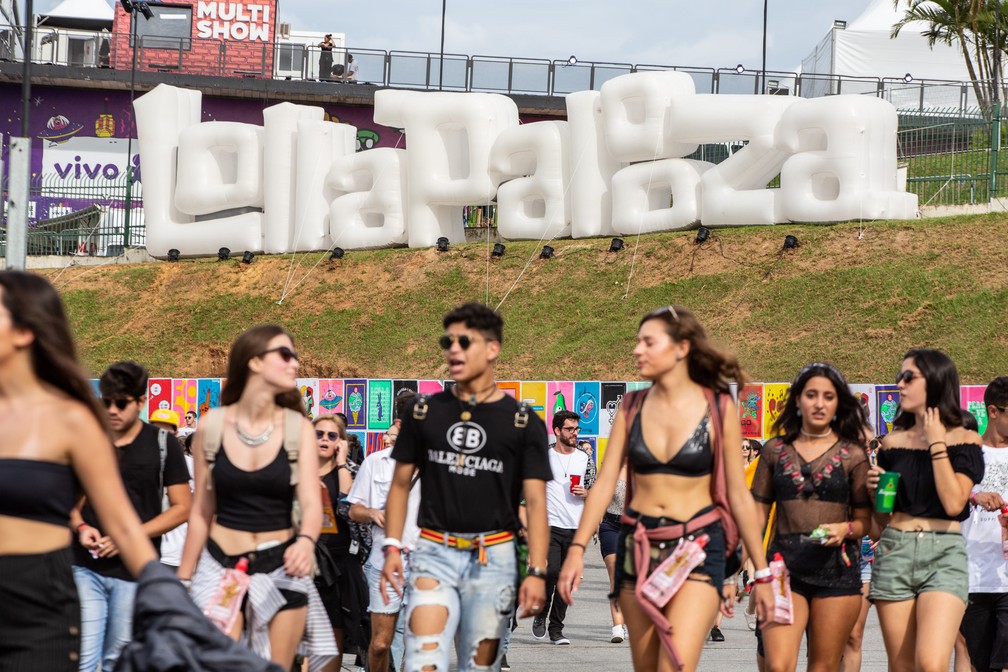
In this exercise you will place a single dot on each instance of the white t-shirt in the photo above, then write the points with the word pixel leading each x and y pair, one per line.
pixel 172 541
pixel 988 569
pixel 370 488
pixel 563 508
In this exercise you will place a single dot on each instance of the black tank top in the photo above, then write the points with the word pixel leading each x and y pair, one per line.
pixel 37 490
pixel 693 459
pixel 253 501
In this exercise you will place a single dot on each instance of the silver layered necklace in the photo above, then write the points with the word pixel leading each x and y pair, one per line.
pixel 253 441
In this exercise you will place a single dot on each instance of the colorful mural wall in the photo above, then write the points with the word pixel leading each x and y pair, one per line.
pixel 369 404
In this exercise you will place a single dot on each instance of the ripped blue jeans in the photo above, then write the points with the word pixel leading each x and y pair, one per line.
pixel 478 599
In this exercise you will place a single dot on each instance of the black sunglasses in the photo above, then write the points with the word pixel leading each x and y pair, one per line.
pixel 283 351
pixel 463 340
pixel 120 403
pixel 333 436
pixel 906 377
pixel 807 487
pixel 661 312
pixel 874 444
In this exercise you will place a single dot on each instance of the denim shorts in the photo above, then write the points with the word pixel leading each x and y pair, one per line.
pixel 479 599
pixel 376 605
pixel 910 563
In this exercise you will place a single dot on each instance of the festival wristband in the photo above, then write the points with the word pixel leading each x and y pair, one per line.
pixel 763 579
pixel 537 572
pixel 393 542
pixel 390 549
pixel 764 573
pixel 579 545
pixel 78 528
pixel 937 443
pixel 850 529
pixel 973 501
pixel 305 536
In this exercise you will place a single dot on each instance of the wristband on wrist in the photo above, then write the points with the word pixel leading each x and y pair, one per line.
pixel 850 529
pixel 537 572
pixel 764 573
pixel 305 536
pixel 393 542
pixel 390 549
pixel 763 579
pixel 579 545
pixel 78 528
pixel 936 443
pixel 973 501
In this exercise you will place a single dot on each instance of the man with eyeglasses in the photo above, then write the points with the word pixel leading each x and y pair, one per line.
pixel 985 624
pixel 478 451
pixel 106 589
pixel 368 498
pixel 565 497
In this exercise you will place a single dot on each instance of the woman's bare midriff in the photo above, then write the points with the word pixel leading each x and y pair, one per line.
pixel 236 542
pixel 28 537
pixel 908 523
pixel 675 497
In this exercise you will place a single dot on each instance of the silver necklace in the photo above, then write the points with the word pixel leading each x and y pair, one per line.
pixel 253 440
pixel 816 436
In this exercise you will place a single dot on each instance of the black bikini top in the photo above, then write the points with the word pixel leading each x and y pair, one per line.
pixel 37 490
pixel 695 458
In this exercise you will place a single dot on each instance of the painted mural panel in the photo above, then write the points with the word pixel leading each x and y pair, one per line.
pixel 971 398
pixel 356 403
pixel 559 397
pixel 866 396
pixel 184 395
pixel 380 404
pixel 587 403
pixel 512 388
pixel 887 400
pixel 534 393
pixel 159 394
pixel 330 396
pixel 611 394
pixel 207 395
pixel 309 389
pixel 750 408
pixel 430 386
pixel 774 397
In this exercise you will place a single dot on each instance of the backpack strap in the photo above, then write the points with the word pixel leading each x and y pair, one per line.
pixel 420 407
pixel 212 425
pixel 162 442
pixel 718 402
pixel 630 406
pixel 292 441
pixel 521 418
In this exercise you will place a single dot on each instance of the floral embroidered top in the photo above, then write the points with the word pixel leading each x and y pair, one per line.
pixel 823 490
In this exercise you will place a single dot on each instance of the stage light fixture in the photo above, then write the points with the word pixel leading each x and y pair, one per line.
pixel 907 78
pixel 144 9
pixel 337 253
pixel 442 244
pixel 572 60
pixel 223 254
pixel 498 250
pixel 247 257
pixel 547 252
pixel 702 234
pixel 790 243
pixel 740 68
pixel 616 245
pixel 840 24
pixel 127 6
pixel 173 254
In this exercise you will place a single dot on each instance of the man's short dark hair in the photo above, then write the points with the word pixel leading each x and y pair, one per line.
pixel 123 379
pixel 560 417
pixel 483 319
pixel 996 393
pixel 404 401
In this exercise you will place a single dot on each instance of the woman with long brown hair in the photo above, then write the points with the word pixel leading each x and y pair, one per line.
pixel 680 440
pixel 43 465
pixel 247 476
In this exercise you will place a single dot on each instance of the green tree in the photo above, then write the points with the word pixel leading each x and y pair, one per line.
pixel 970 25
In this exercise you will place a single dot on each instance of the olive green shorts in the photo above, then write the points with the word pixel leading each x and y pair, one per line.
pixel 910 563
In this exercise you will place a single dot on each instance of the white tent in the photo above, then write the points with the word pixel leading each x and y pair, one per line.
pixel 84 14
pixel 864 48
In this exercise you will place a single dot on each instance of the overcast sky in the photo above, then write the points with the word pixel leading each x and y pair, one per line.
pixel 705 33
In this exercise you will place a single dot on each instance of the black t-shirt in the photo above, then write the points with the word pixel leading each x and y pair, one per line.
pixel 140 467
pixel 471 472
pixel 339 543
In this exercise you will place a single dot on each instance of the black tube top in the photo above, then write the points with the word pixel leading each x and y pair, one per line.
pixel 254 501
pixel 37 490
pixel 693 459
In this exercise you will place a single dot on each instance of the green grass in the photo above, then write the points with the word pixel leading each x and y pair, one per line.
pixel 859 303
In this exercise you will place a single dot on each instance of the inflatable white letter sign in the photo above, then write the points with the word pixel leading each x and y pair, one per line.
pixel 617 165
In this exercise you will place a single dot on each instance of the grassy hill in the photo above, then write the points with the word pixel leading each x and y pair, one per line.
pixel 858 296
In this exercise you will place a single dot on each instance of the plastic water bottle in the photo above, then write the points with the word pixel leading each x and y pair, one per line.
pixel 783 606
pixel 226 603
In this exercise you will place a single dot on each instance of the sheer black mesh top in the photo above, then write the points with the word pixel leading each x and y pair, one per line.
pixel 808 494
pixel 916 493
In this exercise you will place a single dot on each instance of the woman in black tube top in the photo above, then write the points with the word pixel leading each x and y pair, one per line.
pixel 682 481
pixel 919 582
pixel 246 481
pixel 53 442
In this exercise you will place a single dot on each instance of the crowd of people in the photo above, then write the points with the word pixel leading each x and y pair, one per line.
pixel 118 535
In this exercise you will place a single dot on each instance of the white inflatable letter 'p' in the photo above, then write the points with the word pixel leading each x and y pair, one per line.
pixel 368 191
pixel 163 115
pixel 636 111
pixel 844 163
pixel 448 141
pixel 535 202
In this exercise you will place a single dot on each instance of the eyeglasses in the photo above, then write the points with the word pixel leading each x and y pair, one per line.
pixel 286 353
pixel 907 376
pixel 575 430
pixel 464 341
pixel 332 436
pixel 1001 409
pixel 120 403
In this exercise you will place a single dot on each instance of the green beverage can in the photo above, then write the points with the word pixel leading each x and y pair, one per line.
pixel 885 496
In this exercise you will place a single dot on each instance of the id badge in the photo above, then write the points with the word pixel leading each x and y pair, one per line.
pixel 354 547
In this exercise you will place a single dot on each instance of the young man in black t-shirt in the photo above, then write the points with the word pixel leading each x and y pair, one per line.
pixel 479 453
pixel 106 589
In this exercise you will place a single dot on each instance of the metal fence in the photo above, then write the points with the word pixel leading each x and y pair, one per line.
pixel 75 218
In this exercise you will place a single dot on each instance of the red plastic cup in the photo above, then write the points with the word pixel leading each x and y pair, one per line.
pixel 575 481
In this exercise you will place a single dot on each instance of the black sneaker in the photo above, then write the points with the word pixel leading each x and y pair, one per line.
pixel 716 635
pixel 539 626
pixel 505 666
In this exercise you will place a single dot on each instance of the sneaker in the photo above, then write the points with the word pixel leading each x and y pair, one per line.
pixel 539 626
pixel 750 620
pixel 560 641
pixel 505 666
pixel 716 635
pixel 617 634
pixel 626 633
